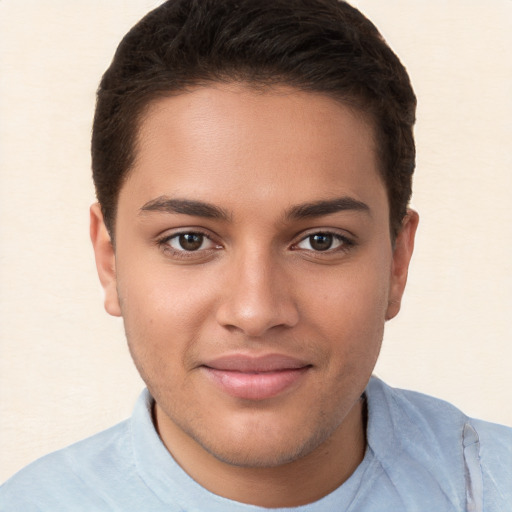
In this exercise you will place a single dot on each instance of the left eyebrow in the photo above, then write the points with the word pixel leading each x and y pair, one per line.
pixel 167 204
pixel 320 208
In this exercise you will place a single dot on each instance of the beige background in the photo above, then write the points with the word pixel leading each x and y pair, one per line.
pixel 64 369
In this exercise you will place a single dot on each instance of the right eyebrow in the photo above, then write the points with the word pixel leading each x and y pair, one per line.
pixel 167 204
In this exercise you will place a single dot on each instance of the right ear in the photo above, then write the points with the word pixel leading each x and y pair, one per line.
pixel 105 259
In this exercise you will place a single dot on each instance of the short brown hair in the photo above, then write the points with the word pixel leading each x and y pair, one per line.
pixel 323 46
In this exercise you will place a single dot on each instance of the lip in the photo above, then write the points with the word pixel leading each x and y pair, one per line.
pixel 255 378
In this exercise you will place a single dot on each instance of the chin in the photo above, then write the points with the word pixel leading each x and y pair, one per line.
pixel 263 447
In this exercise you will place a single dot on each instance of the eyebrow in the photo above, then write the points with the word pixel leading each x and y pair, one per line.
pixel 166 204
pixel 185 206
pixel 320 208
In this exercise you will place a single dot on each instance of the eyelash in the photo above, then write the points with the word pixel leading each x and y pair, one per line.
pixel 345 244
pixel 163 243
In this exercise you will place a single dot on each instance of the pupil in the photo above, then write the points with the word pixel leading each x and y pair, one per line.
pixel 321 242
pixel 191 241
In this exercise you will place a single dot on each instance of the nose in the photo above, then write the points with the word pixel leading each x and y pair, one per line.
pixel 258 296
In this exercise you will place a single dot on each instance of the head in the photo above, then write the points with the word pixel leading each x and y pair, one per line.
pixel 253 162
pixel 323 46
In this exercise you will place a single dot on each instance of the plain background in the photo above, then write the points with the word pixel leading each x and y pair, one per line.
pixel 65 371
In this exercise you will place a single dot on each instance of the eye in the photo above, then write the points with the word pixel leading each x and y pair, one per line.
pixel 323 241
pixel 188 242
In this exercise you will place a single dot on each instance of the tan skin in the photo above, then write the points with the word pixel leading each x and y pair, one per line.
pixel 285 252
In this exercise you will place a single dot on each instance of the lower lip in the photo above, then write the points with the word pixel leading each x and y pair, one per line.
pixel 258 385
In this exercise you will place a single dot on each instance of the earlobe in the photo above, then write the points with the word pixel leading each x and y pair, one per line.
pixel 105 259
pixel 402 253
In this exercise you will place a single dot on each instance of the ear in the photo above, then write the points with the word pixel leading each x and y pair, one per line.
pixel 404 245
pixel 105 259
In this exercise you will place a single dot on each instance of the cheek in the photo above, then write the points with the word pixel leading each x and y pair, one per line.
pixel 160 293
pixel 162 311
pixel 349 315
pixel 349 299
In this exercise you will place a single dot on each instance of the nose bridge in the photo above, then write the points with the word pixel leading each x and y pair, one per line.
pixel 257 298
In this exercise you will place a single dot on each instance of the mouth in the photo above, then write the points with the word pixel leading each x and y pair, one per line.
pixel 256 378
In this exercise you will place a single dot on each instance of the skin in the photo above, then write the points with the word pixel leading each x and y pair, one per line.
pixel 257 284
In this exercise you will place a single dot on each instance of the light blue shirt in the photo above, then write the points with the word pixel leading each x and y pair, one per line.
pixel 423 454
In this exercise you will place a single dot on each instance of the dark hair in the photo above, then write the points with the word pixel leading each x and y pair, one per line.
pixel 323 46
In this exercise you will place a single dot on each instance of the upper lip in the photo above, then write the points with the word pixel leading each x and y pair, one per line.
pixel 247 363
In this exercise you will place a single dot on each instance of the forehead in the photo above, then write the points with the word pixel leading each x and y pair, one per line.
pixel 233 143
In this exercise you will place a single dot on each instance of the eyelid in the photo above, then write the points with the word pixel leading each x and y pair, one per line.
pixel 347 241
pixel 174 232
pixel 204 240
pixel 162 242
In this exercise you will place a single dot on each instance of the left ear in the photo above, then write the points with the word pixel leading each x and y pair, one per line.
pixel 404 245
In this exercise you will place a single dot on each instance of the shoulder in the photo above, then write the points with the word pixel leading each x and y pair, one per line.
pixel 468 459
pixel 493 450
pixel 435 415
pixel 413 416
pixel 98 473
pixel 70 474
pixel 493 441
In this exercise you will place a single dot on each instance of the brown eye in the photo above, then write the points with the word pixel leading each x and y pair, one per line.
pixel 190 241
pixel 321 241
pixel 189 244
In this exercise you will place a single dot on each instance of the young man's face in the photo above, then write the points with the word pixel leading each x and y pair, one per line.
pixel 253 269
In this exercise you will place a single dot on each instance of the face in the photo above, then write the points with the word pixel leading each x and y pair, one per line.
pixel 253 268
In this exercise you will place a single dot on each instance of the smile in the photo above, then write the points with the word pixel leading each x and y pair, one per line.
pixel 251 378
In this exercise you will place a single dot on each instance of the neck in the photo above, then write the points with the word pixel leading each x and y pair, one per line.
pixel 302 481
